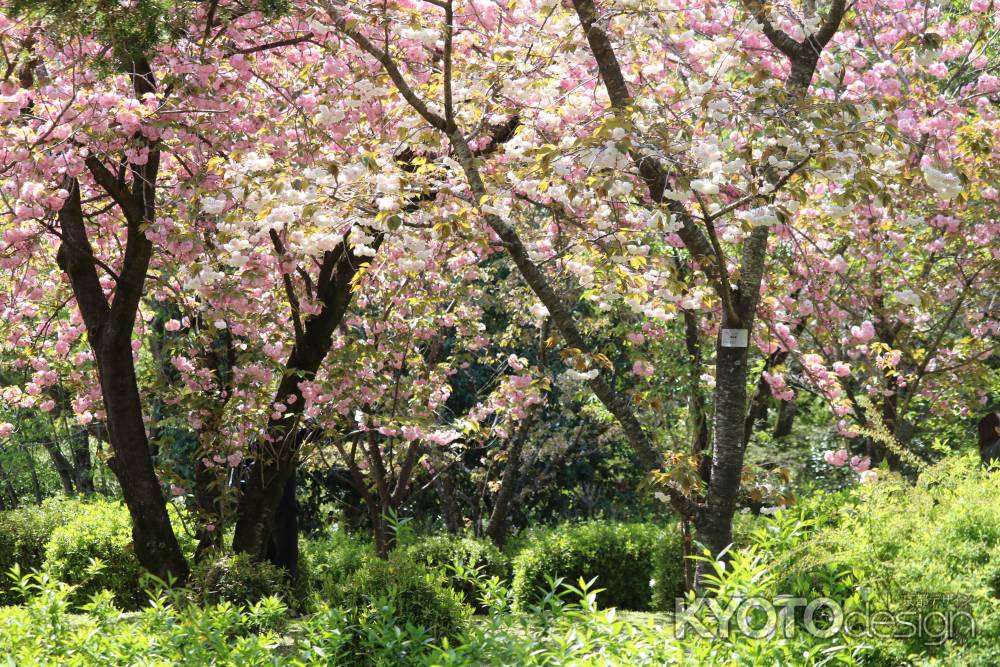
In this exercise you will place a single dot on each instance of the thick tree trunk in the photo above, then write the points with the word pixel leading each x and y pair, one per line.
pixel 283 547
pixel 715 524
pixel 153 538
pixel 382 536
pixel 109 332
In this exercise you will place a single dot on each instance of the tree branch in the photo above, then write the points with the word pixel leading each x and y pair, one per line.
pixel 293 300
pixel 346 27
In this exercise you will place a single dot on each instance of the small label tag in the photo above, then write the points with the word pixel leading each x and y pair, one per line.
pixel 734 338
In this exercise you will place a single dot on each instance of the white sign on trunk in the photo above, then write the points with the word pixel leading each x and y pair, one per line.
pixel 734 338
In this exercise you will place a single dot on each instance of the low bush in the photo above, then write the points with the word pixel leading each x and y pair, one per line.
pixel 463 560
pixel 566 629
pixel 97 531
pixel 23 535
pixel 413 592
pixel 620 555
pixel 44 633
pixel 327 562
pixel 929 550
pixel 237 579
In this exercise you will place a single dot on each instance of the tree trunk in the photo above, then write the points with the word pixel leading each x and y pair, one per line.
pixel 786 418
pixel 206 497
pixel 36 487
pixel 11 492
pixel 380 530
pixel 83 470
pixel 62 465
pixel 715 518
pixel 446 493
pixel 715 521
pixel 697 414
pixel 283 547
pixel 496 530
pixel 152 536
pixel 109 332
pixel 276 459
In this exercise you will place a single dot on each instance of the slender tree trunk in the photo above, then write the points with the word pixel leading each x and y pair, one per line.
pixel 11 491
pixel 496 529
pixel 446 493
pixel 698 424
pixel 786 418
pixel 102 485
pixel 759 404
pixel 697 412
pixel 62 466
pixel 758 410
pixel 36 488
pixel 207 498
pixel 83 470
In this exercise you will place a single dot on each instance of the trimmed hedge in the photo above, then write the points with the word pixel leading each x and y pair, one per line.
pixel 620 555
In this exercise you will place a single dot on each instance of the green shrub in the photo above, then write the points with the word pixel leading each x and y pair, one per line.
pixel 42 632
pixel 328 562
pixel 23 535
pixel 668 570
pixel 463 560
pixel 412 593
pixel 915 549
pixel 102 531
pixel 49 631
pixel 620 555
pixel 237 579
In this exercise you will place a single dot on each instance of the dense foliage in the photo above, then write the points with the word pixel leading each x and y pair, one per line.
pixel 238 580
pixel 100 535
pixel 441 332
pixel 620 557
